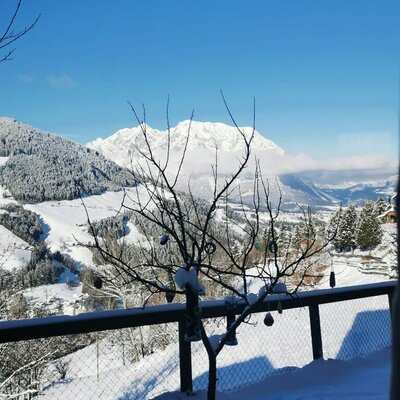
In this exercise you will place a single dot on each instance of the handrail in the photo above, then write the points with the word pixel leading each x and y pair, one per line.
pixel 35 328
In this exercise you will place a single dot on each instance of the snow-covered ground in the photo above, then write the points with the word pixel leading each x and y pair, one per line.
pixel 55 296
pixel 14 252
pixel 360 378
pixel 66 221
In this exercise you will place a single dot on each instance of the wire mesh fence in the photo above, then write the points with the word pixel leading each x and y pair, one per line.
pixel 261 350
pixel 142 362
pixel 133 363
pixel 349 329
pixel 355 327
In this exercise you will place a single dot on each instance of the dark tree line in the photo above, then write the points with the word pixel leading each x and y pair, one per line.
pixel 40 270
pixel 22 223
pixel 112 228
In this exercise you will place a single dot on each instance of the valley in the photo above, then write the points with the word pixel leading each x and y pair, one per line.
pixel 64 220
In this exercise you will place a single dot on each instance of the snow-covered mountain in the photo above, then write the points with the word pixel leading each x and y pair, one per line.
pixel 298 190
pixel 37 166
pixel 360 192
pixel 205 137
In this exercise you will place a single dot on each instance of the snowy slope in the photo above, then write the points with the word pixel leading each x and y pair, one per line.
pixel 261 352
pixel 14 252
pixel 37 166
pixel 361 378
pixel 358 193
pixel 66 221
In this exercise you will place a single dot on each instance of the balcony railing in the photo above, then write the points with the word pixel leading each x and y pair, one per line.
pixel 34 329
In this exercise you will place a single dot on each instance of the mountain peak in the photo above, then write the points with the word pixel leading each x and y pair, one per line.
pixel 7 120
pixel 203 135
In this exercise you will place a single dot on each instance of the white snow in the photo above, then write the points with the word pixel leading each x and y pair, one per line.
pixel 42 294
pixel 203 136
pixel 252 298
pixel 134 236
pixel 66 222
pixel 3 160
pixel 14 252
pixel 5 197
pixel 360 378
pixel 183 277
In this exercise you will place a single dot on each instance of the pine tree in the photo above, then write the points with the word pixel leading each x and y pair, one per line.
pixel 296 238
pixel 381 205
pixel 285 240
pixel 334 225
pixel 346 239
pixel 369 229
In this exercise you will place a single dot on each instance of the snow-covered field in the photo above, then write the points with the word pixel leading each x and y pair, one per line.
pixel 360 378
pixel 66 221
pixel 3 160
pixel 55 296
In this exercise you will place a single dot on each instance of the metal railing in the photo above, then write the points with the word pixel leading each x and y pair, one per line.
pixel 24 330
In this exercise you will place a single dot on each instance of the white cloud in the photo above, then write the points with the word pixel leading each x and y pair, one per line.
pixel 301 162
pixel 357 162
pixel 62 81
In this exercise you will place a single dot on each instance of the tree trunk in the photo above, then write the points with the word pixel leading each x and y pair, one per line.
pixel 212 377
pixel 212 365
pixel 193 319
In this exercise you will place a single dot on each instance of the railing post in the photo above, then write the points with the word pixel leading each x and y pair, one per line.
pixel 315 325
pixel 185 359
pixel 390 298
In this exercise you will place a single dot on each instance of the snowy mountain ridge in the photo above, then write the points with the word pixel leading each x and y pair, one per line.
pixel 205 137
pixel 120 146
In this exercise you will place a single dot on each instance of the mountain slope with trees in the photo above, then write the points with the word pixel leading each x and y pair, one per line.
pixel 42 166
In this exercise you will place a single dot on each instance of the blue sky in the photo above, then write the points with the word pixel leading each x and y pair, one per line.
pixel 324 74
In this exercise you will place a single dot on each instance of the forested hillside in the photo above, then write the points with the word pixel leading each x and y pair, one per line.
pixel 42 166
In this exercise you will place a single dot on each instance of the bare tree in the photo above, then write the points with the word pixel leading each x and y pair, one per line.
pixel 203 242
pixel 9 34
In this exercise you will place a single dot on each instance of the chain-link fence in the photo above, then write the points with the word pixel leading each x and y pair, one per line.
pixel 355 327
pixel 143 362
pixel 261 351
pixel 132 363
pixel 349 329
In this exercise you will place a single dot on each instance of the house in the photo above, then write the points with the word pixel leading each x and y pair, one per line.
pixel 389 216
